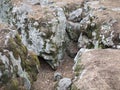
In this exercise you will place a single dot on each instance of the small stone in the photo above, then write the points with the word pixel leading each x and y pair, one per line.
pixel 102 8
pixel 73 30
pixel 57 76
pixel 64 84
pixel 75 14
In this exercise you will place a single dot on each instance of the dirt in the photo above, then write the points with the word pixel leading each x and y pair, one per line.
pixel 45 79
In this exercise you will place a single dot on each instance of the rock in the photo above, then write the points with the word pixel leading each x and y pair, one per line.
pixel 43 2
pixel 73 30
pixel 94 31
pixel 42 30
pixel 34 2
pixel 102 8
pixel 57 76
pixel 83 41
pixel 108 36
pixel 116 9
pixel 69 6
pixel 72 49
pixel 107 28
pixel 5 10
pixel 18 67
pixel 98 70
pixel 64 84
pixel 76 66
pixel 75 15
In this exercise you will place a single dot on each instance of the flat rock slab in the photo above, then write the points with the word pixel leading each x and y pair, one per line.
pixel 101 70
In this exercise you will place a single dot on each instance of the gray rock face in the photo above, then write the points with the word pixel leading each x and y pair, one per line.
pixel 108 35
pixel 42 29
pixel 73 30
pixel 18 68
pixel 83 41
pixel 5 10
pixel 75 15
pixel 57 76
pixel 97 33
pixel 43 34
pixel 90 33
pixel 43 2
pixel 64 84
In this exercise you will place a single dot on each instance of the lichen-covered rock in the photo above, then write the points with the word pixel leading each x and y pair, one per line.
pixel 82 22
pixel 69 6
pixel 73 30
pixel 83 41
pixel 5 10
pixel 57 76
pixel 18 67
pixel 75 15
pixel 98 70
pixel 103 31
pixel 42 30
pixel 64 84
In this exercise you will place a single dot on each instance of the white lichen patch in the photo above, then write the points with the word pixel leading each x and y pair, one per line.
pixel 116 9
pixel 20 71
pixel 82 74
pixel 5 60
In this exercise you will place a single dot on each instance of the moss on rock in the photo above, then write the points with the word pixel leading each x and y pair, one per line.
pixel 18 67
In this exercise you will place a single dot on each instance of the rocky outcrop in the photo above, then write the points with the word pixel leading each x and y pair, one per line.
pixel 42 30
pixel 102 32
pixel 98 70
pixel 18 67
pixel 90 28
pixel 48 28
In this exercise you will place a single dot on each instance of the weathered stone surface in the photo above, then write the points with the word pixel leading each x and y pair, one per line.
pixel 42 30
pixel 83 41
pixel 18 67
pixel 84 24
pixel 95 29
pixel 57 76
pixel 98 70
pixel 64 84
pixel 75 15
pixel 73 30
pixel 5 10
pixel 42 25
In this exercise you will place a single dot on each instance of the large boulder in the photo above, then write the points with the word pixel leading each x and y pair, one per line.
pixel 18 67
pixel 102 31
pixel 93 26
pixel 97 70
pixel 42 27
